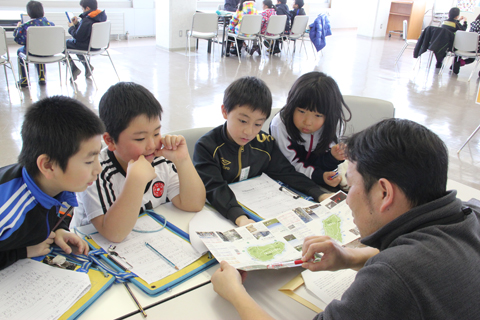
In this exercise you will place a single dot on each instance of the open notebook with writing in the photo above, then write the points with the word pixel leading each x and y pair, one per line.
pixel 158 259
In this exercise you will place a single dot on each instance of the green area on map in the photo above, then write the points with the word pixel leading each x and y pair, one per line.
pixel 331 225
pixel 266 252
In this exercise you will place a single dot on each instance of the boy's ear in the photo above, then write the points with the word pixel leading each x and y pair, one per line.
pixel 109 141
pixel 45 166
pixel 224 112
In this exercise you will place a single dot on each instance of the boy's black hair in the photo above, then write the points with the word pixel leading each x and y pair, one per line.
pixel 453 13
pixel 35 9
pixel 122 103
pixel 268 3
pixel 248 91
pixel 56 126
pixel 240 6
pixel 406 154
pixel 92 4
pixel 316 92
pixel 282 1
pixel 299 3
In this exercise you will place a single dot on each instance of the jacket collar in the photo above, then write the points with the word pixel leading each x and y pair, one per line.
pixel 45 200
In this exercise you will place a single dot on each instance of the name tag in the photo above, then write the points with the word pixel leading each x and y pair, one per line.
pixel 244 173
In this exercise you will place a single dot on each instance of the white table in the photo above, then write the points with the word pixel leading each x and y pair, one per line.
pixel 203 302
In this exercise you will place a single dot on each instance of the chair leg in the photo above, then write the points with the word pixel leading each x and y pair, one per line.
pixel 112 65
pixel 474 68
pixel 401 52
pixel 87 66
pixel 469 138
pixel 25 66
pixel 14 78
pixel 238 51
pixel 69 68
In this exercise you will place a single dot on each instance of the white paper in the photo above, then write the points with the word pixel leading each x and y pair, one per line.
pixel 146 263
pixel 263 196
pixel 328 285
pixel 33 290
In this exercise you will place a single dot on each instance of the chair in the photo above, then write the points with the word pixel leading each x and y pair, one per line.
pixel 266 124
pixel 464 45
pixel 191 136
pixel 250 28
pixel 99 44
pixel 366 112
pixel 297 32
pixel 204 26
pixel 407 41
pixel 45 45
pixel 436 41
pixel 275 29
pixel 5 60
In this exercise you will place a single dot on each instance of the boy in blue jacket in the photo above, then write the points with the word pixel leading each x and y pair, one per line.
pixel 61 142
pixel 81 31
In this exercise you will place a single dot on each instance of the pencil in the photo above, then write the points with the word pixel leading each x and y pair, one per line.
pixel 161 255
pixel 135 299
pixel 63 217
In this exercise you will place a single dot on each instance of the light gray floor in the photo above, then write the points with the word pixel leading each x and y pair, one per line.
pixel 191 92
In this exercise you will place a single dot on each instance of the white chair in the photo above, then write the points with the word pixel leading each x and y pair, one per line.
pixel 204 26
pixel 5 60
pixel 266 124
pixel 46 45
pixel 275 29
pixel 99 44
pixel 464 45
pixel 297 32
pixel 250 28
pixel 191 136
pixel 408 42
pixel 366 112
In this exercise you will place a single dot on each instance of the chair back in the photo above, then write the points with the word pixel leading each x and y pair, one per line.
pixel 266 124
pixel 405 29
pixel 191 137
pixel 205 22
pixel 45 41
pixel 466 41
pixel 3 44
pixel 299 25
pixel 100 37
pixel 276 24
pixel 251 24
pixel 366 112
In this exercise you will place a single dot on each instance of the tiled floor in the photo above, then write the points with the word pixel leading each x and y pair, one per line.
pixel 191 91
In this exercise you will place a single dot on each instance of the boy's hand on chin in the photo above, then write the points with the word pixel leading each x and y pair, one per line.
pixel 141 170
pixel 173 148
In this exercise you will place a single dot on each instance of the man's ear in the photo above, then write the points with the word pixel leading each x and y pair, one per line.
pixel 388 194
pixel 224 112
pixel 45 166
pixel 109 141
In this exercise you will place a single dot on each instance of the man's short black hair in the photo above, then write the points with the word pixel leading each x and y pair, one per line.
pixel 56 126
pixel 406 154
pixel 35 9
pixel 453 13
pixel 92 4
pixel 122 103
pixel 299 3
pixel 248 91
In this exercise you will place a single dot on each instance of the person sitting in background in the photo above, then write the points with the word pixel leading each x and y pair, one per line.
pixel 81 32
pixel 231 5
pixel 34 11
pixel 268 11
pixel 245 7
pixel 453 21
pixel 282 10
pixel 459 62
pixel 297 9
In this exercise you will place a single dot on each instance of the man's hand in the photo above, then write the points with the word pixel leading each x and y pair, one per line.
pixel 65 240
pixel 42 248
pixel 243 221
pixel 227 282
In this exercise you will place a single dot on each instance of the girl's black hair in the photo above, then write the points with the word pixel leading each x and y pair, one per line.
pixel 268 3
pixel 317 92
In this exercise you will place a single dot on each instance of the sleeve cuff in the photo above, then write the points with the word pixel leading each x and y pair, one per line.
pixel 234 213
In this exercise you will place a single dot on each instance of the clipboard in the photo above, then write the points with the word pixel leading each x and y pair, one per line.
pixel 165 284
pixel 295 284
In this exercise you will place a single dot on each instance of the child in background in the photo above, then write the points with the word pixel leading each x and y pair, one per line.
pixel 35 12
pixel 268 11
pixel 136 174
pixel 61 142
pixel 282 10
pixel 244 8
pixel 307 126
pixel 297 9
pixel 239 150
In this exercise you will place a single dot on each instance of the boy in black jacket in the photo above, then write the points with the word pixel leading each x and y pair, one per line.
pixel 297 9
pixel 61 142
pixel 239 150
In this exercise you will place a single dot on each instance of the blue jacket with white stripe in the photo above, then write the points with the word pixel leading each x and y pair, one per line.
pixel 27 214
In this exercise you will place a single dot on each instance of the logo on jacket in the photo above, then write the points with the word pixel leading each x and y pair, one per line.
pixel 158 188
pixel 225 163
pixel 262 137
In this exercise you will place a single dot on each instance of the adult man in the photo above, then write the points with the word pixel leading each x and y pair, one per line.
pixel 81 32
pixel 428 240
